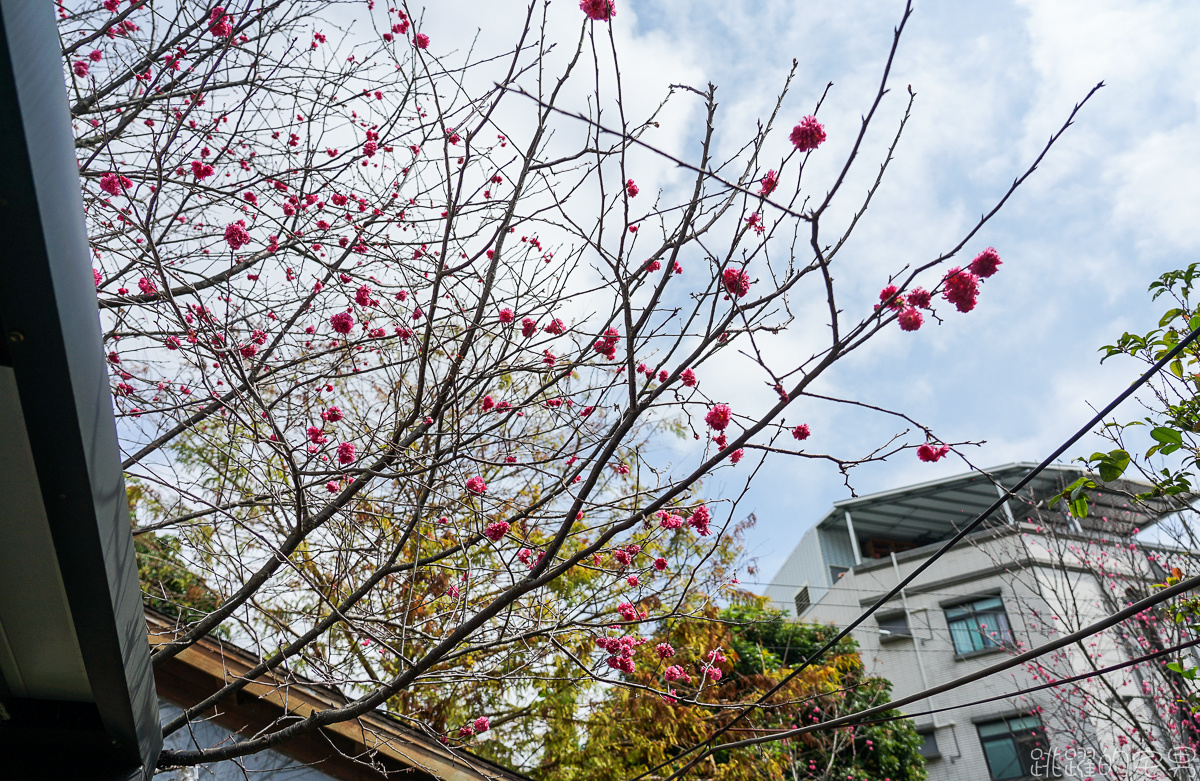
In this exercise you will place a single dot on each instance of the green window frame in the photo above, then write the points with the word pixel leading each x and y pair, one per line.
pixel 978 625
pixel 1011 746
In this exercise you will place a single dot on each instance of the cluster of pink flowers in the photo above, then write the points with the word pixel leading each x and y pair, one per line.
pixel 719 417
pixel 624 556
pixel 930 453
pixel 598 10
pixel 700 519
pixel 622 649
pixel 506 316
pixel 476 485
pixel 342 322
pixel 114 184
pixel 345 453
pixel 736 281
pixel 495 531
pixel 628 612
pixel 236 235
pixel 607 344
pixel 481 724
pixel 526 557
pixel 768 183
pixel 801 432
pixel 809 134
pixel 676 673
pixel 220 24
pixel 961 286
pixel 332 414
pixel 362 297
pixel 986 263
pixel 664 650
pixel 669 520
pixel 688 377
pixel 201 170
pixel 907 305
pixel 631 188
pixel 528 327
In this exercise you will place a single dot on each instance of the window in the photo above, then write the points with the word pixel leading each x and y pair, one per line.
pixel 1011 746
pixel 836 572
pixel 893 626
pixel 978 625
pixel 929 747
pixel 802 601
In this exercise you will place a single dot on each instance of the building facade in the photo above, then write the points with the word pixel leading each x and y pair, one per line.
pixel 1029 574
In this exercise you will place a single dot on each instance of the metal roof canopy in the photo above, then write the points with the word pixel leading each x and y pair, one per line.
pixel 934 511
pixel 77 695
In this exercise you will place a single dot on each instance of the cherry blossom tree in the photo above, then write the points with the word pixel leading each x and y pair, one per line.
pixel 410 358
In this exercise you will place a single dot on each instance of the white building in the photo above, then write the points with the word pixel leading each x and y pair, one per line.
pixel 973 606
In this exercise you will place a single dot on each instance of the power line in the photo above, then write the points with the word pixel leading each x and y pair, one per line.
pixel 1030 655
pixel 1006 494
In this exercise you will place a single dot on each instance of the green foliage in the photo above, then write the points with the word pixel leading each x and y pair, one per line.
pixel 630 730
pixel 1174 409
pixel 168 586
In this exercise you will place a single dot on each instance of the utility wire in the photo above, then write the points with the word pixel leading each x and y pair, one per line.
pixel 1008 696
pixel 706 746
pixel 1007 664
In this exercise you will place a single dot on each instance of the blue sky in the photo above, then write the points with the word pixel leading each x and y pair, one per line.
pixel 1113 206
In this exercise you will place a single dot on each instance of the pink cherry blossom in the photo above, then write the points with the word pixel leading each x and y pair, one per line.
pixel 236 235
pixel 598 10
pixel 910 319
pixel 985 263
pixel 719 417
pixel 919 297
pixel 929 453
pixel 736 281
pixel 961 288
pixel 768 183
pixel 476 485
pixel 220 24
pixel 809 134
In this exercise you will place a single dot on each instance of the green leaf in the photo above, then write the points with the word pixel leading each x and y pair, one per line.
pixel 1167 436
pixel 1113 465
pixel 1170 315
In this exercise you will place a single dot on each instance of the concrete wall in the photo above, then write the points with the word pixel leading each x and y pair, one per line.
pixel 1018 569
